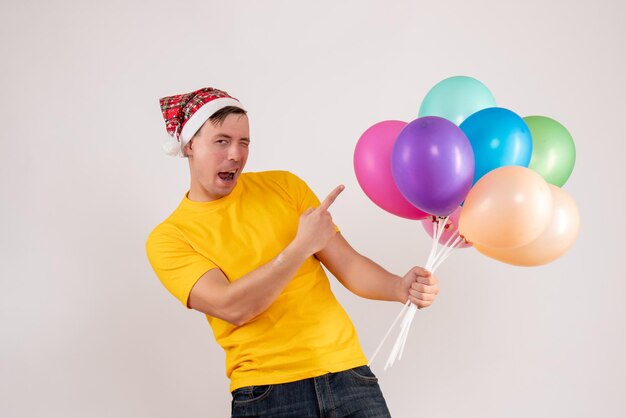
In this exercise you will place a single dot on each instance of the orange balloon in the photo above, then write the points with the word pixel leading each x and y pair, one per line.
pixel 508 207
pixel 552 243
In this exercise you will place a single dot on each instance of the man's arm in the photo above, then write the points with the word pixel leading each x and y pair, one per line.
pixel 365 278
pixel 239 301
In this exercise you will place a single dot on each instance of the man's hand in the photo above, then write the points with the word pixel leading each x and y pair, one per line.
pixel 316 227
pixel 420 287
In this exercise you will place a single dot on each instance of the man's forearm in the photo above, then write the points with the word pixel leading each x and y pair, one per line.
pixel 359 274
pixel 254 292
pixel 367 279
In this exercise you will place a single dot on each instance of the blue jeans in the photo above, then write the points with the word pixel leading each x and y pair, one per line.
pixel 352 393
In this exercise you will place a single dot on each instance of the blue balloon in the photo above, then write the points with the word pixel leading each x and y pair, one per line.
pixel 499 138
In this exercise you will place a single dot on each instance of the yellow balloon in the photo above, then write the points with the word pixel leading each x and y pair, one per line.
pixel 508 207
pixel 552 243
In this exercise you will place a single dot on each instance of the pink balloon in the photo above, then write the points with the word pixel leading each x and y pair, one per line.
pixel 372 166
pixel 452 225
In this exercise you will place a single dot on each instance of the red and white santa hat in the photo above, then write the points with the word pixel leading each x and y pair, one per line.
pixel 185 114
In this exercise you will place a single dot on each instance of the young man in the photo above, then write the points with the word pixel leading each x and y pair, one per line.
pixel 245 250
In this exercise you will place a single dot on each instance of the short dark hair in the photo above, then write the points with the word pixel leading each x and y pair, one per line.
pixel 218 117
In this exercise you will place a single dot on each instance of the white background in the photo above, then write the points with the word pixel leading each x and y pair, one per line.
pixel 87 330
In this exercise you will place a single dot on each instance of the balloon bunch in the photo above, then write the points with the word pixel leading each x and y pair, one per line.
pixel 475 175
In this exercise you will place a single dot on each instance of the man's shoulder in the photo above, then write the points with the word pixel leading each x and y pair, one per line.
pixel 281 177
pixel 162 236
pixel 270 174
pixel 280 184
pixel 169 228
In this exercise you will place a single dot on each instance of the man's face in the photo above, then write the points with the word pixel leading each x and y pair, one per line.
pixel 217 155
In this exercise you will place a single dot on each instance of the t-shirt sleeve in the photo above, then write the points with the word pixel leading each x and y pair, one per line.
pixel 304 196
pixel 175 262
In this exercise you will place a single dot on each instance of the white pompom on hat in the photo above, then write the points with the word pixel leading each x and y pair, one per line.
pixel 185 114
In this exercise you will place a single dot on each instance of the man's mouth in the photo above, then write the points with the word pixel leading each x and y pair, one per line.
pixel 227 175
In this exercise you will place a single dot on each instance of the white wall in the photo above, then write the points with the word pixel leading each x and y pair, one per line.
pixel 88 331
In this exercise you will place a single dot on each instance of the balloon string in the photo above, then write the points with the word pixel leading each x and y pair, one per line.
pixel 406 305
pixel 404 330
pixel 406 334
pixel 448 251
pixel 438 229
pixel 436 257
pixel 433 248
pixel 452 236
pixel 445 248
pixel 457 242
pixel 410 315
pixel 398 348
pixel 442 227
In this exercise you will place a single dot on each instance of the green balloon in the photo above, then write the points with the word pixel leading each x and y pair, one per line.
pixel 554 152
pixel 456 98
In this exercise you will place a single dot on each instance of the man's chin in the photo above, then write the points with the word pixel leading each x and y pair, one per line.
pixel 215 191
pixel 223 188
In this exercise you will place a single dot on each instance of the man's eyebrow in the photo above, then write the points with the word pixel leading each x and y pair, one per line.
pixel 220 135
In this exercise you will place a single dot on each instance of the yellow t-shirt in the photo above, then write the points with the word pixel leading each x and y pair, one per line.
pixel 305 332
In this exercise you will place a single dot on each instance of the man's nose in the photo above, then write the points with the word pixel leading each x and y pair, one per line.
pixel 234 152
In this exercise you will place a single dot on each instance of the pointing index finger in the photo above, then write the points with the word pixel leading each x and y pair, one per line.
pixel 331 197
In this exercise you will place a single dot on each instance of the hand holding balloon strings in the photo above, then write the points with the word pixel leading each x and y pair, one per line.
pixel 436 256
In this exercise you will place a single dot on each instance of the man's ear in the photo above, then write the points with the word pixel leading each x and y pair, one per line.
pixel 188 148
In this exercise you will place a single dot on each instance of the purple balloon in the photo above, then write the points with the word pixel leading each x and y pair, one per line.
pixel 432 163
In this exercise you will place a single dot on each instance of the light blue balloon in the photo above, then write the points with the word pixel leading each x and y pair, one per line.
pixel 456 98
pixel 499 138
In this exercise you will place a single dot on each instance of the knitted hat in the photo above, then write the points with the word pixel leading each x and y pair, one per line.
pixel 185 114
